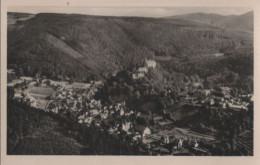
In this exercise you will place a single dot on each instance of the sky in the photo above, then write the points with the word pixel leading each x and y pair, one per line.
pixel 129 11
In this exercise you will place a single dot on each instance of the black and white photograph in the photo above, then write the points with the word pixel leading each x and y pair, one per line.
pixel 132 81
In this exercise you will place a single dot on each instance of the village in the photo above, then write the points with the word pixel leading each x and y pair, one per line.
pixel 161 137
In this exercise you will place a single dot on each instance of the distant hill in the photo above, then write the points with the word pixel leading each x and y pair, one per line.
pixel 12 17
pixel 83 47
pixel 237 22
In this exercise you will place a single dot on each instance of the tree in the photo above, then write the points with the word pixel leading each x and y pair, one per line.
pixel 29 70
pixel 20 71
pixel 228 147
pixel 222 150
pixel 10 92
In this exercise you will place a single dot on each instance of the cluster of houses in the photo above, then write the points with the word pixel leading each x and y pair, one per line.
pixel 223 99
pixel 97 112
pixel 118 119
pixel 66 97
pixel 110 114
pixel 174 146
pixel 74 97
pixel 220 98
pixel 141 71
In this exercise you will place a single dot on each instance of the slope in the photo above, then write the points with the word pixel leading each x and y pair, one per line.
pixel 93 47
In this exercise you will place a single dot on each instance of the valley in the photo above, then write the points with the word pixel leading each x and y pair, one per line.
pixel 107 85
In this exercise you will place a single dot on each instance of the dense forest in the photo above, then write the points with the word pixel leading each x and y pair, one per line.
pixel 82 48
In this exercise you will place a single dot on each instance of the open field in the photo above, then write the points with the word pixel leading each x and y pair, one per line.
pixel 183 112
pixel 40 94
pixel 62 83
pixel 79 85
pixel 14 82
pixel 41 91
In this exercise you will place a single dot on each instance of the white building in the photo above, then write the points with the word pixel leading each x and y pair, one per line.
pixel 10 71
pixel 122 112
pixel 127 126
pixel 88 120
pixel 218 54
pixel 27 78
pixel 98 82
pixel 237 107
pixel 94 112
pixel 179 144
pixel 146 132
pixel 142 70
pixel 150 63
pixel 137 75
pixel 196 144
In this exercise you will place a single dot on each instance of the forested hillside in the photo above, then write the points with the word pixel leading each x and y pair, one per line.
pixel 82 47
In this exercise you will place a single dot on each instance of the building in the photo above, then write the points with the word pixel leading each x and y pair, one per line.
pixel 98 82
pixel 165 139
pixel 179 146
pixel 196 144
pixel 94 112
pixel 150 63
pixel 10 71
pixel 146 132
pixel 142 70
pixel 206 92
pixel 218 54
pixel 252 98
pixel 122 112
pixel 157 118
pixel 88 120
pixel 212 102
pixel 126 126
pixel 18 96
pixel 27 78
pixel 237 107
pixel 137 75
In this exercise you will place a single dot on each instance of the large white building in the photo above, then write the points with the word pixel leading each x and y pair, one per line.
pixel 150 63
